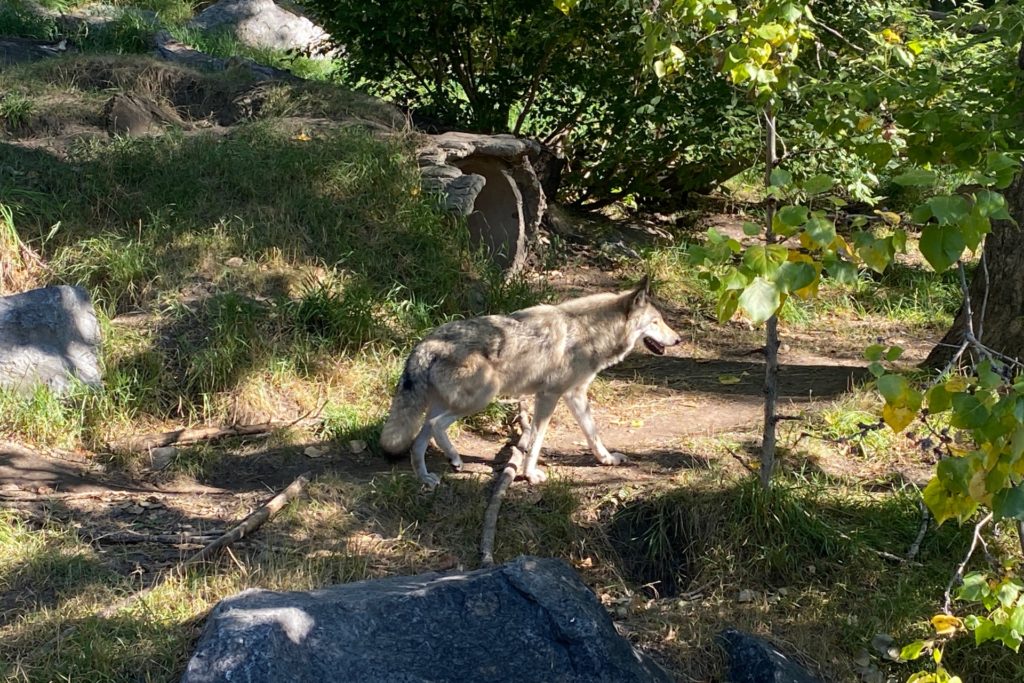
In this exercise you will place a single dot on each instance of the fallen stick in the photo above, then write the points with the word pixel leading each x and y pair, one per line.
pixel 508 474
pixel 145 442
pixel 165 539
pixel 262 515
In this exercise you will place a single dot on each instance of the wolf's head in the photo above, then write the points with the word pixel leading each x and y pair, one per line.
pixel 646 323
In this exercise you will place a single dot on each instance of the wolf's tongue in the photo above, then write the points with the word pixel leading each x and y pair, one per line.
pixel 654 346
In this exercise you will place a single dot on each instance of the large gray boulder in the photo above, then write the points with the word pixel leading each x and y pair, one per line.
pixel 48 336
pixel 491 180
pixel 529 620
pixel 263 23
pixel 755 660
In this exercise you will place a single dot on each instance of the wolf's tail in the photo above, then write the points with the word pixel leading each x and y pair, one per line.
pixel 405 418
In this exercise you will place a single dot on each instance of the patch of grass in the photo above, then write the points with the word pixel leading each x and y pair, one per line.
pixel 130 33
pixel 223 43
pixel 17 19
pixel 118 273
pixel 16 110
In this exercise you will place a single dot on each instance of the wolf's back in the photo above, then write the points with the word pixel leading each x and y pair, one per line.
pixel 408 404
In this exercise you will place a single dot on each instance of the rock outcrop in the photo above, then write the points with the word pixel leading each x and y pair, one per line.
pixel 490 179
pixel 529 620
pixel 263 23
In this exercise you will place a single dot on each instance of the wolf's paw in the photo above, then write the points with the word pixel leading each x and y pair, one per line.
pixel 456 463
pixel 612 459
pixel 537 476
pixel 430 480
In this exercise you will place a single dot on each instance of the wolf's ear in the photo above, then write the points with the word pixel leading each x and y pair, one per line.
pixel 639 295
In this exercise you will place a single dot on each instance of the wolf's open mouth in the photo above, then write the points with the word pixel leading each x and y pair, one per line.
pixel 654 346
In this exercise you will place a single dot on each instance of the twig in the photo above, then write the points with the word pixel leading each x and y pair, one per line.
pixel 26 497
pixel 145 442
pixel 958 575
pixel 915 547
pixel 262 515
pixel 508 474
pixel 122 537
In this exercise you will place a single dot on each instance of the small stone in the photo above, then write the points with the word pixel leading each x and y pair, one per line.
pixel 621 612
pixel 160 458
pixel 357 446
pixel 314 452
pixel 234 262
pixel 135 510
pixel 783 591
pixel 746 595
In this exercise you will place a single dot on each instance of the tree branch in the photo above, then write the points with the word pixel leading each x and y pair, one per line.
pixel 958 575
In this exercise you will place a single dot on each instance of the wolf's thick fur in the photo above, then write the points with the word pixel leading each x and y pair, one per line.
pixel 551 352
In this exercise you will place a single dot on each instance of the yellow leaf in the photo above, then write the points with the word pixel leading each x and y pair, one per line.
pixel 728 379
pixel 889 217
pixel 865 122
pixel 636 424
pixel 946 624
pixel 897 417
pixel 891 36
pixel 956 384
pixel 302 137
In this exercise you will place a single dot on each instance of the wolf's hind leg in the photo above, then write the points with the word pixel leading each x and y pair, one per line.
pixel 439 426
pixel 416 455
pixel 579 406
pixel 526 437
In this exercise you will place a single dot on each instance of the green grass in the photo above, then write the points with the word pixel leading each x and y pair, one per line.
pixel 16 19
pixel 272 266
pixel 15 109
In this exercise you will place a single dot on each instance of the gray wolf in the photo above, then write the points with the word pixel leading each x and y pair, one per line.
pixel 549 351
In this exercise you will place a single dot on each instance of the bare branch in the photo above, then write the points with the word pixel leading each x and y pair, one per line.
pixel 958 575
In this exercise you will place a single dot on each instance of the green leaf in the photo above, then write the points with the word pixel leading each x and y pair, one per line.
pixel 793 216
pixel 968 412
pixel 974 227
pixel 938 399
pixel 878 153
pixel 1009 503
pixel 921 214
pixel 876 253
pixel 903 56
pixel 955 475
pixel 818 184
pixel 941 246
pixel 842 271
pixel 876 369
pixel 949 209
pixel 765 259
pixel 751 229
pixel 916 177
pixel 794 275
pixel 913 650
pixel 894 388
pixel 566 6
pixel 992 204
pixel 1002 167
pixel 781 177
pixel 1007 594
pixel 974 589
pixel 945 504
pixel 761 299
pixel 821 230
pixel 987 377
pixel 728 302
pixel 874 352
pixel 893 353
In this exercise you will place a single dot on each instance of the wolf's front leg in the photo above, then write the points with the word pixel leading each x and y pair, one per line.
pixel 542 409
pixel 417 455
pixel 579 406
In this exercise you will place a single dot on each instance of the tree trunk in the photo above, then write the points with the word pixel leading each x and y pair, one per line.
pixel 999 320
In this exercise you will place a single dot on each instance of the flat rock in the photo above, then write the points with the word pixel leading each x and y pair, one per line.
pixel 526 621
pixel 49 336
pixel 755 660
